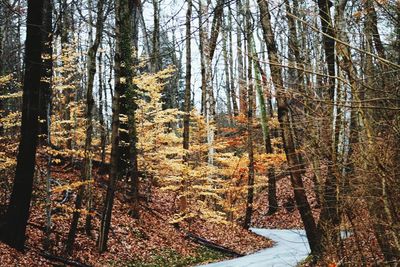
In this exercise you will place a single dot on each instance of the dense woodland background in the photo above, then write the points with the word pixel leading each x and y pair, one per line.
pixel 132 131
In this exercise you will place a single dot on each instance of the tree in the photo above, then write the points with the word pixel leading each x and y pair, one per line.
pixel 123 83
pixel 87 167
pixel 47 70
pixel 296 166
pixel 260 75
pixel 250 98
pixel 329 218
pixel 186 118
pixel 12 230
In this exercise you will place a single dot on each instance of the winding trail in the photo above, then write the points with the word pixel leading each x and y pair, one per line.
pixel 291 247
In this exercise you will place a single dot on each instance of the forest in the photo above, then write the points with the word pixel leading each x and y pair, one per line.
pixel 191 132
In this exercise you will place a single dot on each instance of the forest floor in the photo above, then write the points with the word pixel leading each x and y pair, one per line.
pixel 153 241
pixel 148 241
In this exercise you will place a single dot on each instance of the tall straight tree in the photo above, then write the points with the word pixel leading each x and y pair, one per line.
pixel 329 218
pixel 296 166
pixel 186 118
pixel 12 230
pixel 123 83
pixel 240 58
pixel 231 68
pixel 260 75
pixel 47 69
pixel 250 98
pixel 87 167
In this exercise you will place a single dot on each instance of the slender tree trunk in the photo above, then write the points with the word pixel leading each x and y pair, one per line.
pixel 329 219
pixel 203 36
pixel 131 96
pixel 103 126
pixel 13 229
pixel 122 85
pixel 239 52
pixel 186 118
pixel 250 97
pixel 87 167
pixel 296 166
pixel 226 70
pixel 47 70
pixel 156 59
pixel 272 198
pixel 232 86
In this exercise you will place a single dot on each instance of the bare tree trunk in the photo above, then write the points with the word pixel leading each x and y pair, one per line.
pixel 122 84
pixel 241 78
pixel 228 90
pixel 272 198
pixel 103 126
pixel 250 97
pixel 329 219
pixel 156 59
pixel 13 229
pixel 203 36
pixel 47 70
pixel 232 87
pixel 186 118
pixel 87 167
pixel 296 166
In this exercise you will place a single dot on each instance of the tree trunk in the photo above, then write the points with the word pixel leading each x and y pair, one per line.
pixel 47 70
pixel 226 72
pixel 272 198
pixel 250 97
pixel 296 166
pixel 186 118
pixel 155 57
pixel 232 87
pixel 241 78
pixel 12 230
pixel 123 80
pixel 329 219
pixel 203 36
pixel 103 126
pixel 87 166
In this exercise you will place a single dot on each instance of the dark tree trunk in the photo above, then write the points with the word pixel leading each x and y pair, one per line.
pixel 12 230
pixel 123 82
pixel 186 118
pixel 87 168
pixel 47 70
pixel 259 73
pixel 155 57
pixel 103 126
pixel 240 57
pixel 250 150
pixel 329 218
pixel 296 166
pixel 232 87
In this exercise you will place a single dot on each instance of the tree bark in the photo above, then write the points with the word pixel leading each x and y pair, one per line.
pixel 188 73
pixel 228 90
pixel 122 78
pixel 87 166
pixel 329 220
pixel 250 149
pixel 296 166
pixel 12 230
pixel 47 70
pixel 272 198
pixel 231 68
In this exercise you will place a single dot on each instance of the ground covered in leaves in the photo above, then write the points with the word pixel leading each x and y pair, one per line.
pixel 153 241
pixel 148 241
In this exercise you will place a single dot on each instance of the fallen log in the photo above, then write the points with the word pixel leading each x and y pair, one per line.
pixel 209 244
pixel 63 260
